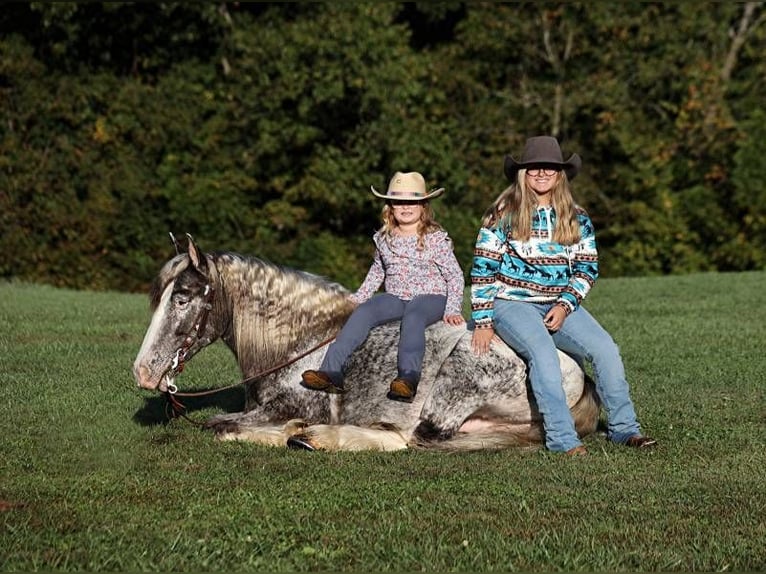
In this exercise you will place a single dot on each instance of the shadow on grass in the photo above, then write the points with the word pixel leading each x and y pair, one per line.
pixel 156 410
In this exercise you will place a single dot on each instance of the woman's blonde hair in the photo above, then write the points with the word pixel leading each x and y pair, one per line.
pixel 426 225
pixel 514 208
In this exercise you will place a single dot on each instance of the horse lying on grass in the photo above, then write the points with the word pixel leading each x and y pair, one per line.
pixel 278 321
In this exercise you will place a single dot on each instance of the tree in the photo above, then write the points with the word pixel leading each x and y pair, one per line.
pixel 259 128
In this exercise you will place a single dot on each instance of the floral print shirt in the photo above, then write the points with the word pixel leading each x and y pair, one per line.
pixel 408 271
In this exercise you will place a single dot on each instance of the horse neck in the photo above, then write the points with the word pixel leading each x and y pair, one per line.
pixel 272 314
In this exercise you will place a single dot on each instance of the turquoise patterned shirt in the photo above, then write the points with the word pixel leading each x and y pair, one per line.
pixel 536 271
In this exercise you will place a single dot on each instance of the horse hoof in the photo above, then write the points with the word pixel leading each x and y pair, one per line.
pixel 300 443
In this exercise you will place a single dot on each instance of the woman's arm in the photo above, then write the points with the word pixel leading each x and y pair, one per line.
pixel 583 258
pixel 487 255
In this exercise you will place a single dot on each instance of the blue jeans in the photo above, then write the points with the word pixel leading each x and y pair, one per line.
pixel 415 315
pixel 520 325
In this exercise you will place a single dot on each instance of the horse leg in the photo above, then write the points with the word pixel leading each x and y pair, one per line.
pixel 299 434
pixel 269 435
pixel 265 424
pixel 380 437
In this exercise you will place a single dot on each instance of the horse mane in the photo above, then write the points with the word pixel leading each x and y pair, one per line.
pixel 277 310
pixel 273 310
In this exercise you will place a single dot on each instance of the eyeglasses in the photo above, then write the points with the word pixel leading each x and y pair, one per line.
pixel 540 171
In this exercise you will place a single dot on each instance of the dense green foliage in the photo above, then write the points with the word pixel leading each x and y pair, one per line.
pixel 92 477
pixel 260 127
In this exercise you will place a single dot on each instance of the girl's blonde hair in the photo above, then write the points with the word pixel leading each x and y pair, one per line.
pixel 514 207
pixel 426 225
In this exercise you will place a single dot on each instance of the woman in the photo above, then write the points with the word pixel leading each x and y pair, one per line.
pixel 535 260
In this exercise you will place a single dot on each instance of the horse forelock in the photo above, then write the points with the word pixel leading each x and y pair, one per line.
pixel 275 308
pixel 167 274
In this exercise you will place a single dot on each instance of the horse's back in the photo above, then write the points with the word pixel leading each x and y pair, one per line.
pixel 456 384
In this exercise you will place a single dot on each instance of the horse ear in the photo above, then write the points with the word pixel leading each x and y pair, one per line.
pixel 196 256
pixel 174 242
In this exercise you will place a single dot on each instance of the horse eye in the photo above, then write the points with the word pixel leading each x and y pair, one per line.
pixel 181 298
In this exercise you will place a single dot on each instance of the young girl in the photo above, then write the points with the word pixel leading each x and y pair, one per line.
pixel 423 284
pixel 535 261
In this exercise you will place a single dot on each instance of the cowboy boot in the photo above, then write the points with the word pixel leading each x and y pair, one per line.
pixel 320 381
pixel 402 390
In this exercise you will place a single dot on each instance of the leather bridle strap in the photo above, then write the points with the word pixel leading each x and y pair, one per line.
pixel 200 324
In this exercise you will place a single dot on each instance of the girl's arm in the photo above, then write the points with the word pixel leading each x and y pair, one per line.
pixel 444 257
pixel 372 282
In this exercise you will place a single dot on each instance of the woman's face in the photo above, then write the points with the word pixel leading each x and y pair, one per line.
pixel 542 181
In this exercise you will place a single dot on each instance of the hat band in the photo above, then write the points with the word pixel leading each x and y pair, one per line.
pixel 409 193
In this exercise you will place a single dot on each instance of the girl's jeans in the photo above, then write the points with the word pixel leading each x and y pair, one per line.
pixel 416 315
pixel 521 326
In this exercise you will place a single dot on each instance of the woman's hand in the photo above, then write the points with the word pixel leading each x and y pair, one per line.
pixel 454 319
pixel 481 340
pixel 554 318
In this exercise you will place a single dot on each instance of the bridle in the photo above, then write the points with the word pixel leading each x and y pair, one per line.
pixel 176 407
pixel 198 327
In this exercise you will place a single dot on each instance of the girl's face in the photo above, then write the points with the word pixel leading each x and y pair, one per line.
pixel 406 212
pixel 542 181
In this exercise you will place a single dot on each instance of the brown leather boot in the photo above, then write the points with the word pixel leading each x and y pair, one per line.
pixel 402 390
pixel 320 381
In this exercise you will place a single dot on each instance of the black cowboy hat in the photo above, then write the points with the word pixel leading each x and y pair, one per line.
pixel 542 151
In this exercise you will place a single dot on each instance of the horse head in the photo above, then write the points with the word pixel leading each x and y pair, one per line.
pixel 181 298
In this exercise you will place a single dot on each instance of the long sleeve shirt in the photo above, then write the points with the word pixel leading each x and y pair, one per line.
pixel 539 270
pixel 408 271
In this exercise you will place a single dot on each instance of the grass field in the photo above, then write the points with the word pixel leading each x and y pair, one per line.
pixel 92 477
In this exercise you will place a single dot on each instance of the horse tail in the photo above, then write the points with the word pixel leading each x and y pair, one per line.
pixel 497 435
pixel 585 411
pixel 501 437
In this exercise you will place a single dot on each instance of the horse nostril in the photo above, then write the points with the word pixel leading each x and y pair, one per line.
pixel 142 375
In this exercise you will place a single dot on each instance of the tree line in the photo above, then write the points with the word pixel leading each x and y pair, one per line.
pixel 259 128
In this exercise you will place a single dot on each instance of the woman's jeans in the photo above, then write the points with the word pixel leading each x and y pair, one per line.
pixel 521 326
pixel 416 315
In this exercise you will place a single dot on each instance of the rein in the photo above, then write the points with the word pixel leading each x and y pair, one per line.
pixel 177 408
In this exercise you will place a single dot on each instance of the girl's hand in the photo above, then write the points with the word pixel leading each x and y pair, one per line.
pixel 481 339
pixel 554 318
pixel 454 319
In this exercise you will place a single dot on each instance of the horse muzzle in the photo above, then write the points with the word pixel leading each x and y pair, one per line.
pixel 145 379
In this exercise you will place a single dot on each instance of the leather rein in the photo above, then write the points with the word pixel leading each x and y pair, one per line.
pixel 175 408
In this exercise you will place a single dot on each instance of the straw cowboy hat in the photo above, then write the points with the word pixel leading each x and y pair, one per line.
pixel 542 151
pixel 408 186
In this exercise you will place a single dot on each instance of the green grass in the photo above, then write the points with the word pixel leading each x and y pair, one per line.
pixel 93 478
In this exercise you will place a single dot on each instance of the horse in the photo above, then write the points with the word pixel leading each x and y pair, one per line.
pixel 278 321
